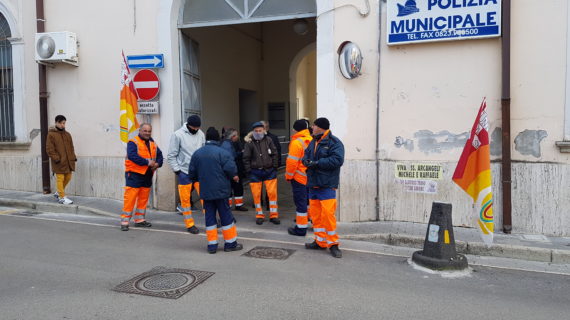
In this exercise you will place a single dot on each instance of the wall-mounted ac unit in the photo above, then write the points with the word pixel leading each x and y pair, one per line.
pixel 53 47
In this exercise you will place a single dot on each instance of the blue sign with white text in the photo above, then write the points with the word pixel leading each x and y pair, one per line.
pixel 146 61
pixel 439 20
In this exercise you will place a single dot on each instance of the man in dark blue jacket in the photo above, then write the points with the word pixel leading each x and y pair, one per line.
pixel 231 140
pixel 323 158
pixel 214 167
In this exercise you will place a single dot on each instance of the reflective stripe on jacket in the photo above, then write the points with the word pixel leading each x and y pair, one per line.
pixel 143 152
pixel 295 170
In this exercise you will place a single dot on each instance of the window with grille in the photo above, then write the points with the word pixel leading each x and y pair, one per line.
pixel 191 93
pixel 7 132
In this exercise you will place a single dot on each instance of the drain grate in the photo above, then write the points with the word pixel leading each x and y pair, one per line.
pixel 269 253
pixel 164 282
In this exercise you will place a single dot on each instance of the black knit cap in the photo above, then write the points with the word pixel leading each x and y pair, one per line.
pixel 323 123
pixel 212 134
pixel 194 121
pixel 301 125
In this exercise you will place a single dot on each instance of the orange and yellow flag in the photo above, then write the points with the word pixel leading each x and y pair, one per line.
pixel 129 107
pixel 473 173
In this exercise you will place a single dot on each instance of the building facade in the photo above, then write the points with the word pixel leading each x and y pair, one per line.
pixel 235 61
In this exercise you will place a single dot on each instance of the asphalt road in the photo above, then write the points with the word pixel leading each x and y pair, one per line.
pixel 67 270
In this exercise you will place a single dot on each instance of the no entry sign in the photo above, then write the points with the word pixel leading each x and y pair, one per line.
pixel 146 84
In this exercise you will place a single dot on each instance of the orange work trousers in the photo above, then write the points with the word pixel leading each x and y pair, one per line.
pixel 185 190
pixel 322 210
pixel 132 196
pixel 271 186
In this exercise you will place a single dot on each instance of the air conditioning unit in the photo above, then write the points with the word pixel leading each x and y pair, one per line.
pixel 53 47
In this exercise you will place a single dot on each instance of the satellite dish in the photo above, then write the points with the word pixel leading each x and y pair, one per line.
pixel 349 60
pixel 45 47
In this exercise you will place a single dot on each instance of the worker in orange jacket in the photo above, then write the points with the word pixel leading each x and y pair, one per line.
pixel 143 158
pixel 296 173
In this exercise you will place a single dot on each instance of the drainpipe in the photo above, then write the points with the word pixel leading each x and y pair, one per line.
pixel 506 116
pixel 377 152
pixel 43 102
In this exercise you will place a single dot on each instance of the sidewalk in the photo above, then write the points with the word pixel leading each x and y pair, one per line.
pixel 405 234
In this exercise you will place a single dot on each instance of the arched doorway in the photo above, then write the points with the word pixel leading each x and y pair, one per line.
pixel 303 84
pixel 235 61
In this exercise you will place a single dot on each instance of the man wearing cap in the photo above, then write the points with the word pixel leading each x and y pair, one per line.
pixel 143 159
pixel 260 162
pixel 295 172
pixel 231 140
pixel 214 167
pixel 183 143
pixel 323 158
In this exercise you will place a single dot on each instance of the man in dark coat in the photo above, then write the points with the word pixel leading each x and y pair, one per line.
pixel 275 140
pixel 260 161
pixel 231 145
pixel 323 158
pixel 59 147
pixel 214 167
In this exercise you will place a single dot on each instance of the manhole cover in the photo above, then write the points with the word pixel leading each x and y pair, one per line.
pixel 164 282
pixel 269 253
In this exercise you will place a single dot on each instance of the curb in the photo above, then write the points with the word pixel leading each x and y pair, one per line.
pixel 473 248
pixel 398 240
pixel 54 207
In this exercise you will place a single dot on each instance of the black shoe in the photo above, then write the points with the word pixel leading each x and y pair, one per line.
pixel 124 228
pixel 193 230
pixel 241 208
pixel 259 221
pixel 144 224
pixel 296 232
pixel 212 251
pixel 275 220
pixel 238 247
pixel 313 246
pixel 335 251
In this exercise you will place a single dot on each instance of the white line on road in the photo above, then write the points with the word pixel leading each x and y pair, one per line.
pixel 279 241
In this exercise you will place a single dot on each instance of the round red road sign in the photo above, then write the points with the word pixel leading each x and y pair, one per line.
pixel 146 84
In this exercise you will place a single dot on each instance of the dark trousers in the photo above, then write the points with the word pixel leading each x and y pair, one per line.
pixel 300 196
pixel 229 231
pixel 237 189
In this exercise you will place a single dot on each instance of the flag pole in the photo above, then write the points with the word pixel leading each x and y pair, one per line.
pixel 506 117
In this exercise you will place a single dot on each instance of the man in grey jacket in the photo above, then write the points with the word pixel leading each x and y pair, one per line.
pixel 183 143
pixel 260 162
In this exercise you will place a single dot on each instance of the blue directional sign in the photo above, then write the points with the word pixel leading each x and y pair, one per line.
pixel 146 61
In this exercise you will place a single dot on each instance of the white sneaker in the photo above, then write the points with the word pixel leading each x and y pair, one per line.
pixel 56 195
pixel 65 200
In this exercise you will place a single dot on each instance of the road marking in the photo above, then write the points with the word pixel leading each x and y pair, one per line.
pixel 282 242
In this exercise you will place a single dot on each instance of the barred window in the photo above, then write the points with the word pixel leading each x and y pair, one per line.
pixel 7 132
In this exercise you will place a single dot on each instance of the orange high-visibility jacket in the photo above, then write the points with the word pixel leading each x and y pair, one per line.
pixel 295 170
pixel 143 152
